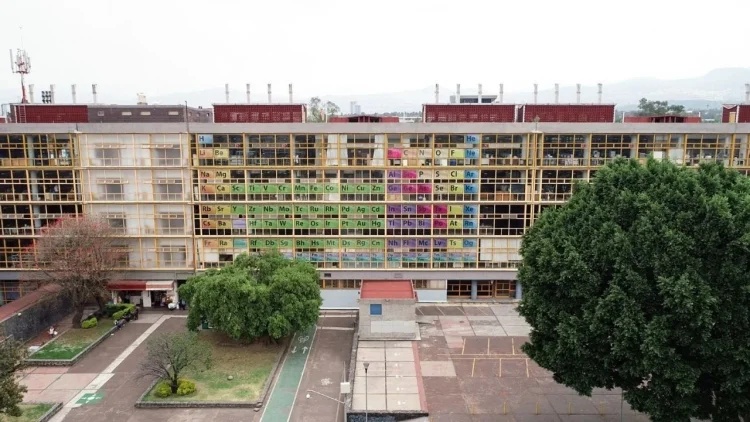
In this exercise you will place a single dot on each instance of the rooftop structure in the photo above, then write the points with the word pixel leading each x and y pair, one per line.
pixel 663 118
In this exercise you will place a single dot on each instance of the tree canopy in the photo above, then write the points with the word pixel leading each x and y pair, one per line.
pixel 318 110
pixel 79 255
pixel 256 296
pixel 649 108
pixel 642 281
pixel 12 355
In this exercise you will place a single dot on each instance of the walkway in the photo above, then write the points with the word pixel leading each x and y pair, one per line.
pixel 281 402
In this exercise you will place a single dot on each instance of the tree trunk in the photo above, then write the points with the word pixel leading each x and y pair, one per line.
pixel 77 316
pixel 174 385
pixel 101 302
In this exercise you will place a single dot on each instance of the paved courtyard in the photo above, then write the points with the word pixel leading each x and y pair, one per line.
pixel 473 370
pixel 105 384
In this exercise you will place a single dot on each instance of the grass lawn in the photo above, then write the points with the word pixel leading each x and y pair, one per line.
pixel 31 413
pixel 71 342
pixel 249 364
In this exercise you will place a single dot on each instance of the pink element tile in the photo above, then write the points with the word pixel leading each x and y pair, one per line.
pixel 409 174
pixel 50 370
pixel 39 381
pixel 394 153
pixel 72 381
pixel 440 208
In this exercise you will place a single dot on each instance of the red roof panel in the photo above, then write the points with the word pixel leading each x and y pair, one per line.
pixel 387 289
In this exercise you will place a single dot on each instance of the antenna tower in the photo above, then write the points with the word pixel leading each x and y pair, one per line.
pixel 21 64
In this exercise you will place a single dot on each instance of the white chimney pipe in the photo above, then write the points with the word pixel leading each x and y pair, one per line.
pixel 437 94
pixel 93 91
pixel 31 93
pixel 73 92
pixel 500 94
pixel 557 93
pixel 600 92
pixel 247 92
pixel 269 94
pixel 226 93
pixel 747 93
pixel 52 93
pixel 578 93
pixel 479 90
pixel 458 93
pixel 536 92
pixel 291 94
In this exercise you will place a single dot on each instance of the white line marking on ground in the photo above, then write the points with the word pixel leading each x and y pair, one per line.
pixel 273 387
pixel 108 372
pixel 136 343
pixel 307 359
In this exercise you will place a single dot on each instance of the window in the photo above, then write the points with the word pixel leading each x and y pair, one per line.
pixel 174 113
pixel 145 113
pixel 127 113
pixel 376 309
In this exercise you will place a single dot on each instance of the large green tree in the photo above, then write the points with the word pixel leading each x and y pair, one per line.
pixel 650 108
pixel 12 355
pixel 256 296
pixel 642 281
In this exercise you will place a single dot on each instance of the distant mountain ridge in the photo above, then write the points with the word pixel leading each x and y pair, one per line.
pixel 725 85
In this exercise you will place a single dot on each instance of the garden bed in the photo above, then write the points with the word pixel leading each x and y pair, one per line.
pixel 34 412
pixel 71 345
pixel 251 366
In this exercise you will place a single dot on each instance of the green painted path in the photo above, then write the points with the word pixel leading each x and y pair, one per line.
pixel 279 406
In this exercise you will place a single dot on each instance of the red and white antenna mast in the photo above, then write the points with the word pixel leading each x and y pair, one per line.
pixel 21 65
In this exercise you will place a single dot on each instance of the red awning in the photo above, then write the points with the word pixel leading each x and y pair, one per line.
pixel 140 285
pixel 159 285
pixel 123 285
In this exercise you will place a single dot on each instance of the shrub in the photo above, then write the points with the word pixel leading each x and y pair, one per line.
pixel 89 323
pixel 185 387
pixel 111 309
pixel 163 389
pixel 118 315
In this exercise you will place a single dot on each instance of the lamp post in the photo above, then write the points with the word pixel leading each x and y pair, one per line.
pixel 366 365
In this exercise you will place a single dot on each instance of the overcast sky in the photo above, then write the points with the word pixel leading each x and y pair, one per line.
pixel 337 46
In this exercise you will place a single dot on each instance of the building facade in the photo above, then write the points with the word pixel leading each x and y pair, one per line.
pixel 442 204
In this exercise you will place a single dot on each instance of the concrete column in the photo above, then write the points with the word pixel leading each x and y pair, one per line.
pixel 473 290
pixel 33 182
pixel 146 298
pixel 519 293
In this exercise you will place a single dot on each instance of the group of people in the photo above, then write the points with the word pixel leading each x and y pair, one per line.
pixel 127 318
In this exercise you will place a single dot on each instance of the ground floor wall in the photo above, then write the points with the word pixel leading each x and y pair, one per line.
pixel 340 289
pixel 27 323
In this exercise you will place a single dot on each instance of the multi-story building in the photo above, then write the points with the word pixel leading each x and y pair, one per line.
pixel 442 204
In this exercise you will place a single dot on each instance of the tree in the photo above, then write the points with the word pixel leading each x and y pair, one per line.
pixel 642 281
pixel 12 355
pixel 318 111
pixel 256 296
pixel 170 355
pixel 79 255
pixel 650 108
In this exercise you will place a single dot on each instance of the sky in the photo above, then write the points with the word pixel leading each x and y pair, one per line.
pixel 336 47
